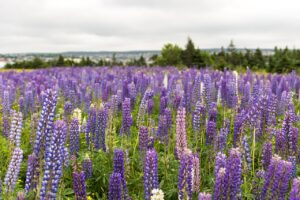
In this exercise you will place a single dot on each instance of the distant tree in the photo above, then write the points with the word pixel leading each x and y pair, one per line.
pixel 60 61
pixel 259 59
pixel 170 55
pixel 189 53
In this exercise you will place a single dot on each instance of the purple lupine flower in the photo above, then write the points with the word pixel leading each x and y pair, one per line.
pixel 163 129
pixel 31 177
pixel 100 129
pixel 74 137
pixel 204 196
pixel 33 127
pixel 233 174
pixel 144 106
pixel 277 179
pixel 150 173
pixel 246 151
pixel 87 167
pixel 68 109
pixel 54 155
pixel 119 168
pixel 150 144
pixel 163 104
pixel 196 173
pixel 185 177
pixel 219 187
pixel 150 106
pixel 221 140
pixel 16 128
pixel 21 104
pixel 199 116
pixel 239 120
pixel 266 155
pixel 181 141
pixel 126 118
pixel 13 170
pixel 212 112
pixel 295 191
pixel 210 132
pixel 169 119
pixel 207 89
pixel 132 93
pixel 292 159
pixel 143 138
pixel 115 187
pixel 220 162
pixel 79 185
pixel 6 103
pixel 6 125
pixel 66 157
pixel 46 122
pixel 91 126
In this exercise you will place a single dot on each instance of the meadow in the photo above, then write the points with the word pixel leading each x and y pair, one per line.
pixel 152 133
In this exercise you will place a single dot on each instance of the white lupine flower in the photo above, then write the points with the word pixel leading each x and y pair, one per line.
pixel 77 114
pixel 157 194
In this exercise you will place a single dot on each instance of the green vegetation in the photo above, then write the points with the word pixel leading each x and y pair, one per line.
pixel 281 61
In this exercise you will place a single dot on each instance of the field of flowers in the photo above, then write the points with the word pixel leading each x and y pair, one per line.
pixel 148 133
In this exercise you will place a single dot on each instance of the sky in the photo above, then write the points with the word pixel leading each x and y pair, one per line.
pixel 121 25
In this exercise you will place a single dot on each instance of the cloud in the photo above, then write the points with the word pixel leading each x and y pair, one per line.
pixel 92 25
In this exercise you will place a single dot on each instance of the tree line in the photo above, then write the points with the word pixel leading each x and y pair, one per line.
pixel 280 61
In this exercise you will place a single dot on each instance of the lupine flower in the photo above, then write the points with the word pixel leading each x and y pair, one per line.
pixel 196 173
pixel 126 119
pixel 87 167
pixel 207 89
pixel 292 159
pixel 163 104
pixel 31 177
pixel 132 93
pixel 220 162
pixel 115 187
pixel 68 108
pixel 210 132
pixel 74 137
pixel 45 125
pixel 119 168
pixel 157 194
pixel 246 151
pixel 220 184
pixel 181 141
pixel 13 169
pixel 91 126
pixel 16 128
pixel 185 176
pixel 150 173
pixel 204 196
pixel 6 125
pixel 144 106
pixel 199 116
pixel 295 191
pixel 233 174
pixel 143 138
pixel 79 185
pixel 54 155
pixel 163 129
pixel 6 103
pixel 100 129
pixel 266 155
pixel 277 179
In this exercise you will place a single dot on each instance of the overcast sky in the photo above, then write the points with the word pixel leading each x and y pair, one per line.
pixel 94 25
